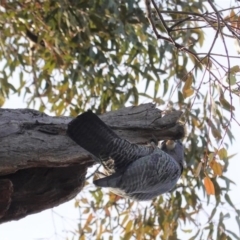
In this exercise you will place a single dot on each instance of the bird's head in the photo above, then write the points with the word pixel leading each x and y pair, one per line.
pixel 175 149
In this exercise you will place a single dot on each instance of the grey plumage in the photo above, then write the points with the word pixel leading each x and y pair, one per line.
pixel 140 172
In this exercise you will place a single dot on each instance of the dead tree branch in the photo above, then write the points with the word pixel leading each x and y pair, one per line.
pixel 41 167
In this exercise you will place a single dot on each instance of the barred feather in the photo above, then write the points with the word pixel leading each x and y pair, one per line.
pixel 141 172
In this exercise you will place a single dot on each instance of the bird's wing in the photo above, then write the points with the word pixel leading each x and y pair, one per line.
pixel 144 196
pixel 124 153
pixel 146 178
pixel 157 173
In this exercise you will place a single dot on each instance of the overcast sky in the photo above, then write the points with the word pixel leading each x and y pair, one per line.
pixel 56 223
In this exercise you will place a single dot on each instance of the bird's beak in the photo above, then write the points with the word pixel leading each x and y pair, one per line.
pixel 170 144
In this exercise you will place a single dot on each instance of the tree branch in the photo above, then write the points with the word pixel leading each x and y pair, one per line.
pixel 41 167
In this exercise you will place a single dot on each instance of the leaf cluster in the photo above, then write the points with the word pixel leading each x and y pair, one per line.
pixel 70 56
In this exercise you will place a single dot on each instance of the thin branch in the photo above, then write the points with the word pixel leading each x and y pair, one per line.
pixel 219 55
pixel 219 17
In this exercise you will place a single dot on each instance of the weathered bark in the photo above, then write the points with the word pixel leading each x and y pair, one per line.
pixel 36 189
pixel 41 167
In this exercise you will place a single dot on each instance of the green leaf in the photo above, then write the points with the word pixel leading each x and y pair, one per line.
pixel 222 153
pixel 231 79
pixel 156 88
pixel 234 69
pixel 165 87
pixel 194 236
pixel 2 100
pixel 226 105
pixel 212 214
pixel 233 234
pixel 187 91
pixel 229 201
pixel 129 226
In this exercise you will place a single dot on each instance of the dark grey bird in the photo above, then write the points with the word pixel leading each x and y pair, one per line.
pixel 140 172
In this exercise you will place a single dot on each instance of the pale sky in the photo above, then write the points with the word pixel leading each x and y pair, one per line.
pixel 58 222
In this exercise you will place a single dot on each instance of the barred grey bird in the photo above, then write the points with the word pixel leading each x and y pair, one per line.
pixel 140 172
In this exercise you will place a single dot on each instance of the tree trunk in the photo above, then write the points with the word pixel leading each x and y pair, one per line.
pixel 41 167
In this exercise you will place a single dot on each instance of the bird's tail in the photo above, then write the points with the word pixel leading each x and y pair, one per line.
pixel 91 133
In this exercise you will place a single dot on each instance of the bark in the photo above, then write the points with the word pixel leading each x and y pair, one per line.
pixel 41 167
